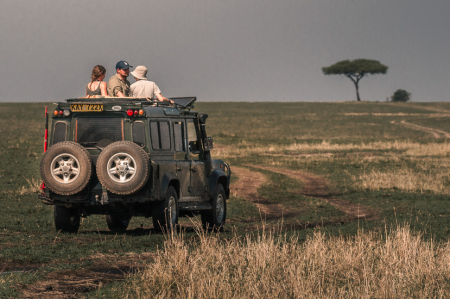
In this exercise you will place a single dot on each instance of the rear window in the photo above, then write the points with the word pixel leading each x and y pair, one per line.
pixel 139 133
pixel 90 130
pixel 59 134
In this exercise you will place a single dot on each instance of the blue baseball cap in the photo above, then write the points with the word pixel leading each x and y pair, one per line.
pixel 123 65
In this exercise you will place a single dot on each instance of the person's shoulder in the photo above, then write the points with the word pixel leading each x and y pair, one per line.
pixel 114 77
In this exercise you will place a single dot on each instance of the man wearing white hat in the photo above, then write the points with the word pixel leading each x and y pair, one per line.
pixel 143 88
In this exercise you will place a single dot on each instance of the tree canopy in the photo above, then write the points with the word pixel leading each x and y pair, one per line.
pixel 355 70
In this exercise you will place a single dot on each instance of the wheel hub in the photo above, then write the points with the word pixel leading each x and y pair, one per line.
pixel 65 168
pixel 121 168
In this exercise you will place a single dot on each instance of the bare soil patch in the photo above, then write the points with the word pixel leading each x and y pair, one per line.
pixel 75 283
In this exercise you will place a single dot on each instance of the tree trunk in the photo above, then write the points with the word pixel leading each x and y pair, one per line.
pixel 357 91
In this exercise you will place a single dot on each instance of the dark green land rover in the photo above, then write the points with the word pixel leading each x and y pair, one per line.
pixel 125 157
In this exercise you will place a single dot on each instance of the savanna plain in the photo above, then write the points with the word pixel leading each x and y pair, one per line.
pixel 328 200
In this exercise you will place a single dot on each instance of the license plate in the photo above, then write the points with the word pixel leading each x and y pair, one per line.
pixel 86 107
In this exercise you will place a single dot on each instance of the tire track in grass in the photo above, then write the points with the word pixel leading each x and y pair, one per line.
pixel 247 188
pixel 435 132
pixel 316 186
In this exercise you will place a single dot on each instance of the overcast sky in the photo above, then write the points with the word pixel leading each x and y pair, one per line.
pixel 233 50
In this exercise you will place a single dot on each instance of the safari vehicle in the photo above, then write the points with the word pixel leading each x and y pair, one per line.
pixel 126 157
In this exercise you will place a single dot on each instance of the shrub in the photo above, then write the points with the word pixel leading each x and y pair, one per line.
pixel 401 95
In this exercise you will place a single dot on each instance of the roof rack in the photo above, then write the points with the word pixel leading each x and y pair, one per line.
pixel 180 102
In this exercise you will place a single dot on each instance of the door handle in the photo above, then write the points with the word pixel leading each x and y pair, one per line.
pixel 194 169
pixel 178 169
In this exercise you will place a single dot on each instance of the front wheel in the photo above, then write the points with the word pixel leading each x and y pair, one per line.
pixel 67 220
pixel 165 213
pixel 215 218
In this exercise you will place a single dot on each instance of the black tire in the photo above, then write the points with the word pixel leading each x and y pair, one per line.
pixel 215 218
pixel 123 167
pixel 117 222
pixel 66 168
pixel 67 220
pixel 165 213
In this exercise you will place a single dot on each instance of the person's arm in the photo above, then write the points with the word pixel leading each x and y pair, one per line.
pixel 117 91
pixel 161 98
pixel 103 89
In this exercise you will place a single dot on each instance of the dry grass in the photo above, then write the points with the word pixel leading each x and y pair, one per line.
pixel 368 265
pixel 406 179
pixel 32 186
pixel 409 148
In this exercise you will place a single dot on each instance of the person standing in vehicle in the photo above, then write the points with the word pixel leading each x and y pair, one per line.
pixel 143 88
pixel 118 85
pixel 97 87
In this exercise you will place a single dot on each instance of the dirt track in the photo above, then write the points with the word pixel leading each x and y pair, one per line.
pixel 314 186
pixel 435 132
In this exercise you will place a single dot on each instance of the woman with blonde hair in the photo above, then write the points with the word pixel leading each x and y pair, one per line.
pixel 97 87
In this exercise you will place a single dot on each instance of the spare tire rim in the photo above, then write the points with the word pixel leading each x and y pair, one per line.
pixel 121 168
pixel 220 208
pixel 65 168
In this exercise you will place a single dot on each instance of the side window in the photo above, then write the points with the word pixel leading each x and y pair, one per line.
pixel 59 134
pixel 139 133
pixel 160 135
pixel 192 136
pixel 178 132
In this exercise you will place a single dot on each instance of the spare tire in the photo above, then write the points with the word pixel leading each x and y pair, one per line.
pixel 123 167
pixel 66 168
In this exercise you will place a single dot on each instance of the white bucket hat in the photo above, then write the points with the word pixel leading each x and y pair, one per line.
pixel 140 72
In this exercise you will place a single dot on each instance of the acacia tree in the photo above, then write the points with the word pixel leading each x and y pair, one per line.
pixel 355 70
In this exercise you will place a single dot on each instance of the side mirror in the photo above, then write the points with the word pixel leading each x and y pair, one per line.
pixel 208 143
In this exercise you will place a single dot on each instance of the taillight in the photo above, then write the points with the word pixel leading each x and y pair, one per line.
pixel 130 112
pixel 136 113
pixel 141 112
pixel 61 112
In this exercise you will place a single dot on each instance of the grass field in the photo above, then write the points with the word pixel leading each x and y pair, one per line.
pixel 349 176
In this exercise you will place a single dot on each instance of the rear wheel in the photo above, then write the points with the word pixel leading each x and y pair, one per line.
pixel 67 220
pixel 165 213
pixel 117 222
pixel 215 218
pixel 66 168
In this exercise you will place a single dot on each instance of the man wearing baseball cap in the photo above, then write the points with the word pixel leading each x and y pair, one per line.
pixel 118 85
pixel 143 88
